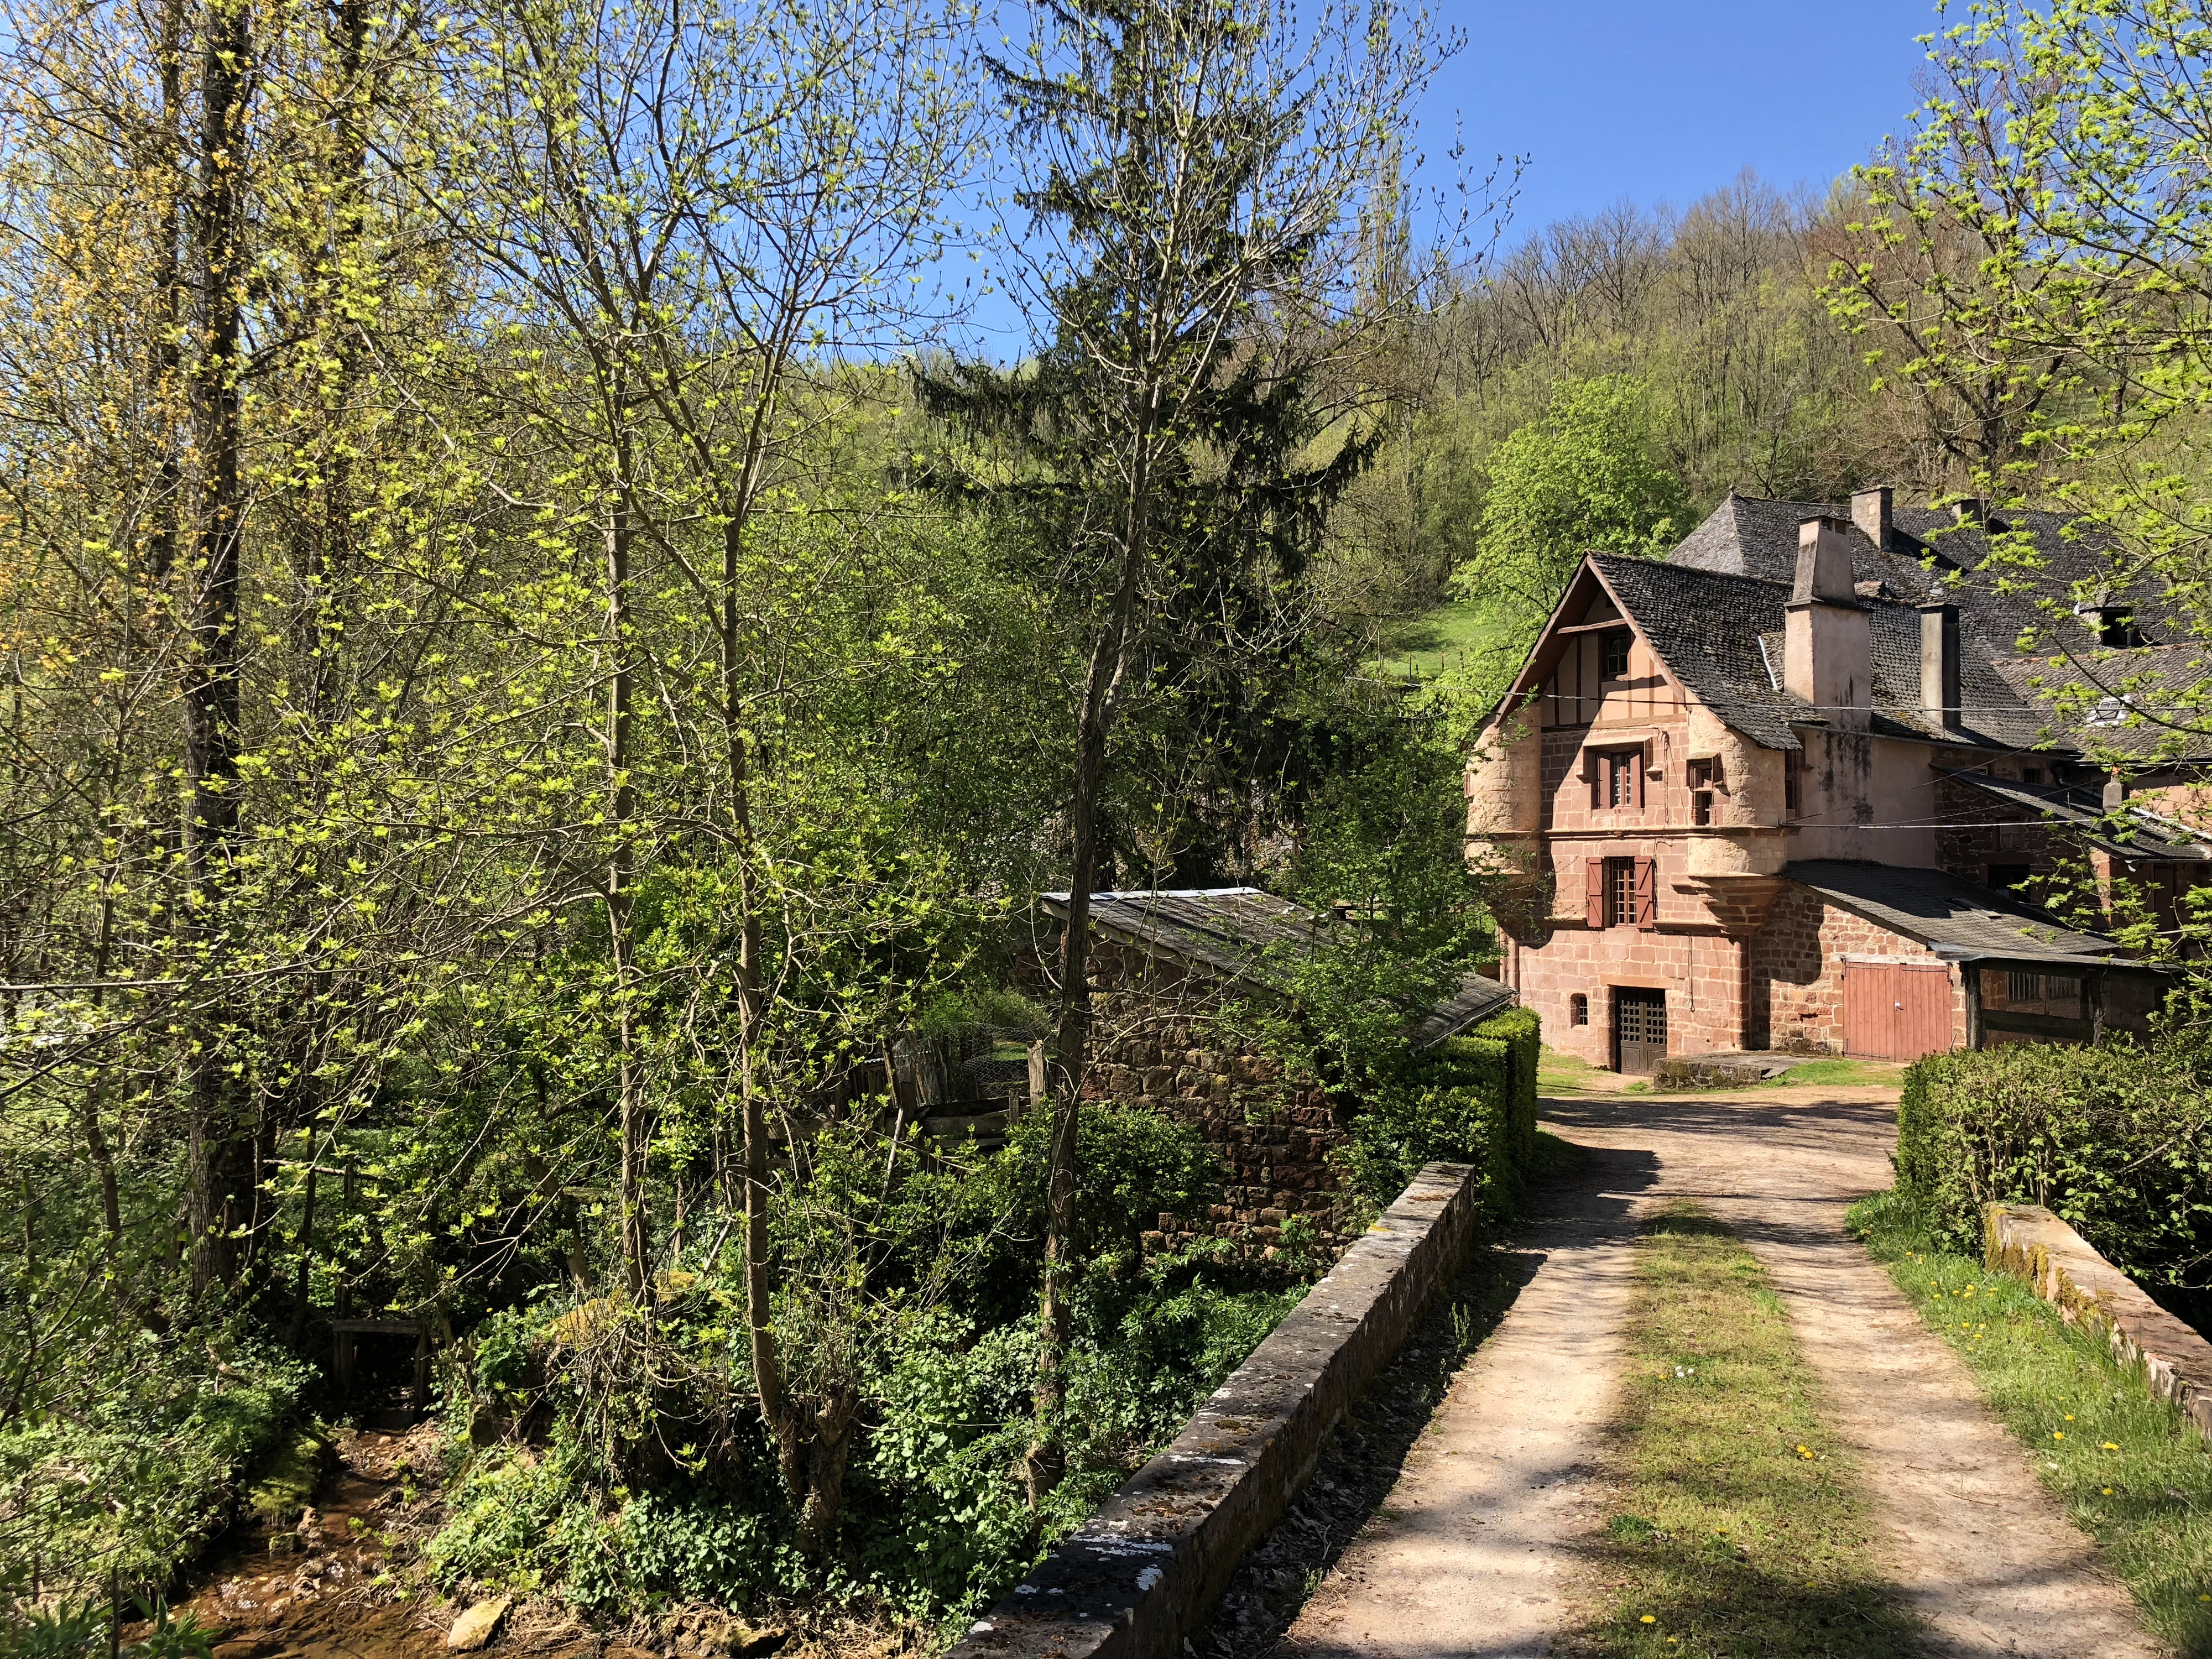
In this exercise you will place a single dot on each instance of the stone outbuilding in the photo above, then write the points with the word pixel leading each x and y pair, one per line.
pixel 1167 966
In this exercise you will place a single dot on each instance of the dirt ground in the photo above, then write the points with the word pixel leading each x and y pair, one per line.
pixel 1473 1551
pixel 313 1594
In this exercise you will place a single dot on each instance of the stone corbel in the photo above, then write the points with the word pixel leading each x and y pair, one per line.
pixel 1738 904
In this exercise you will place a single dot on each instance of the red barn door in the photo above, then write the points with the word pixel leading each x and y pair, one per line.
pixel 1896 1010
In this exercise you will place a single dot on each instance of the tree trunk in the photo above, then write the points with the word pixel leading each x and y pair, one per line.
pixel 1102 684
pixel 334 510
pixel 760 1290
pixel 219 1135
pixel 621 876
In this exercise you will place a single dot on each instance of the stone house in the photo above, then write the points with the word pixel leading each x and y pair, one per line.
pixel 1777 791
pixel 1166 965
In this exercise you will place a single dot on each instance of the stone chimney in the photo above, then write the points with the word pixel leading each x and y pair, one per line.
pixel 1828 655
pixel 1870 512
pixel 1939 663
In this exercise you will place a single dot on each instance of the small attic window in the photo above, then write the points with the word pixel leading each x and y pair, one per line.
pixel 1614 647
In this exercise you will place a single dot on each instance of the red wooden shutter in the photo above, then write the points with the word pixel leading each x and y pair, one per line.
pixel 1636 766
pixel 1647 891
pixel 1594 891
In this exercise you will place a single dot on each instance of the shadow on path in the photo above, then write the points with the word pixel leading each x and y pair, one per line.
pixel 1363 1460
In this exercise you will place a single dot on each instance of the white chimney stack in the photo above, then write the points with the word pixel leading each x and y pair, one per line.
pixel 1828 647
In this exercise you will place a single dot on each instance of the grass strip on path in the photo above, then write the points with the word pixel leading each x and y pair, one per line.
pixel 1735 1527
pixel 2130 1470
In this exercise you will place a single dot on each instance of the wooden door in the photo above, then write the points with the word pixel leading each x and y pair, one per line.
pixel 1639 1030
pixel 1923 1010
pixel 1871 999
pixel 1896 1010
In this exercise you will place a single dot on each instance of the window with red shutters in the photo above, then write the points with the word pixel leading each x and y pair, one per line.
pixel 1617 782
pixel 1620 892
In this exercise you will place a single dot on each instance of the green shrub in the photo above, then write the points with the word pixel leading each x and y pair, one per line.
pixel 137 1475
pixel 936 1517
pixel 2115 1137
pixel 1470 1099
pixel 527 1520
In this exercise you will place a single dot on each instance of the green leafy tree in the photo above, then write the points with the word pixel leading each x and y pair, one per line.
pixel 2032 260
pixel 1194 171
pixel 1585 479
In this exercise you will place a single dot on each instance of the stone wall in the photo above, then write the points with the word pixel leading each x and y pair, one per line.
pixel 1159 1039
pixel 1797 972
pixel 2176 1362
pixel 1977 831
pixel 1701 972
pixel 1143 1572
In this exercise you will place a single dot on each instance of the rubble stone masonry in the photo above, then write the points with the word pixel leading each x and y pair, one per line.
pixel 1797 972
pixel 1160 1039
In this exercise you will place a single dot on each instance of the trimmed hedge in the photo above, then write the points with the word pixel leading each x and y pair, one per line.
pixel 2114 1137
pixel 1470 1099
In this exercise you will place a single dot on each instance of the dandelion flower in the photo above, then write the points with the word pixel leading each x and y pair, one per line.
pixel 2058 1434
pixel 2111 1445
pixel 1648 1620
pixel 2108 1491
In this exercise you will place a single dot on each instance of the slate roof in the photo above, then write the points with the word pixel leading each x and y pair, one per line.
pixel 1931 556
pixel 2139 835
pixel 1746 536
pixel 1476 1000
pixel 1940 910
pixel 2160 688
pixel 1224 927
pixel 1722 634
pixel 1229 928
pixel 1707 626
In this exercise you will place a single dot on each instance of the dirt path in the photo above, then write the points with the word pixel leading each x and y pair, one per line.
pixel 1470 1554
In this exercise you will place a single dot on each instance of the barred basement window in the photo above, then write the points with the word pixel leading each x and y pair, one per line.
pixel 2025 988
pixel 1578 1009
pixel 2061 987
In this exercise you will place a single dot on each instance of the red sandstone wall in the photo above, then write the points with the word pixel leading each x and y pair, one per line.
pixel 1159 1041
pixel 1701 973
pixel 1785 990
pixel 1797 972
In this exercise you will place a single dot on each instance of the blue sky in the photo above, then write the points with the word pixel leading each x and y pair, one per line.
pixel 1652 103
pixel 1663 101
